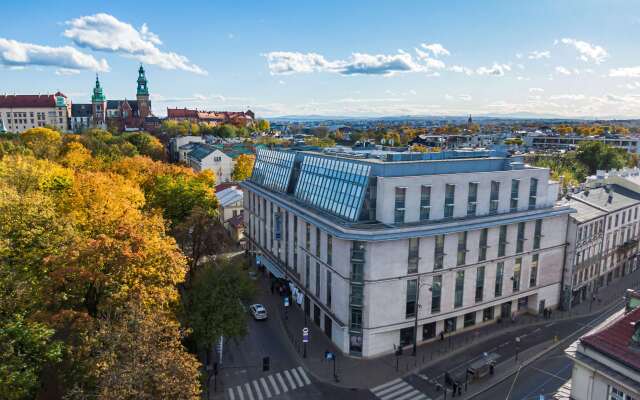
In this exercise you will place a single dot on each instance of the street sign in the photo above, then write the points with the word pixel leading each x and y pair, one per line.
pixel 305 335
pixel 286 301
pixel 329 355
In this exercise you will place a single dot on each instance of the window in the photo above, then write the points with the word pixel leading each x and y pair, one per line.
pixel 499 279
pixel 515 189
pixel 401 193
pixel 356 318
pixel 438 262
pixel 462 248
pixel 357 295
pixel 295 243
pixel 502 241
pixel 495 196
pixel 537 235
pixel 450 324
pixel 487 314
pixel 318 240
pixel 436 293
pixel 357 271
pixel 307 270
pixel 449 200
pixel 469 319
pixel 533 278
pixel 308 237
pixel 412 291
pixel 329 249
pixel 520 242
pixel 517 270
pixel 414 248
pixel 533 193
pixel 459 290
pixel 617 394
pixel 482 251
pixel 473 198
pixel 479 284
pixel 317 279
pixel 425 203
pixel 328 288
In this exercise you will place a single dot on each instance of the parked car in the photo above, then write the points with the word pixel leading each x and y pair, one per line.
pixel 258 311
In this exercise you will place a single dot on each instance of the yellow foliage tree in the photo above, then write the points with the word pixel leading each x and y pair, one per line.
pixel 243 168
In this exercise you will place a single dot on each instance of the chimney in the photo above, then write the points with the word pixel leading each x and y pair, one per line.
pixel 635 338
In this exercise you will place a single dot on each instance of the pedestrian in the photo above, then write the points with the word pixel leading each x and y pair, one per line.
pixel 442 336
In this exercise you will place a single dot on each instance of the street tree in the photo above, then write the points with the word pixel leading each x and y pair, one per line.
pixel 243 167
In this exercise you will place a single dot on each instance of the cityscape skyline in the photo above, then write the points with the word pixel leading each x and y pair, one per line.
pixel 570 59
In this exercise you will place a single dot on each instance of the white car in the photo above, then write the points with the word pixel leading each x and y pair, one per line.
pixel 258 311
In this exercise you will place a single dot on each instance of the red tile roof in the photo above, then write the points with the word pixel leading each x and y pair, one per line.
pixel 181 113
pixel 614 340
pixel 224 185
pixel 27 101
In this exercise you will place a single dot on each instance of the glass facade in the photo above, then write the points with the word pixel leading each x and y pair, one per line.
pixel 425 203
pixel 449 200
pixel 438 262
pixel 482 250
pixel 515 189
pixel 479 284
pixel 335 186
pixel 412 293
pixel 414 249
pixel 537 235
pixel 472 200
pixel 436 293
pixel 272 169
pixel 401 194
pixel 499 279
pixel 533 278
pixel 493 200
pixel 533 193
pixel 459 290
pixel 517 270
pixel 520 241
pixel 462 248
pixel 502 241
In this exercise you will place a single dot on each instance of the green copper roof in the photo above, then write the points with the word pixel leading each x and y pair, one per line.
pixel 142 82
pixel 98 96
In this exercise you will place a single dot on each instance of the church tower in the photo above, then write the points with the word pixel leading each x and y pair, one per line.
pixel 142 94
pixel 98 105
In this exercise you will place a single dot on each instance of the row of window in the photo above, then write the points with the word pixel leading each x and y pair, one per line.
pixel 461 256
pixel 472 199
pixel 479 290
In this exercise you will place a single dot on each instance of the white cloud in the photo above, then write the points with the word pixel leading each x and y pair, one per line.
pixel 461 69
pixel 104 32
pixel 20 54
pixel 465 97
pixel 66 71
pixel 494 70
pixel 536 90
pixel 562 70
pixel 519 56
pixel 436 49
pixel 536 55
pixel 588 52
pixel 286 63
pixel 573 97
pixel 625 72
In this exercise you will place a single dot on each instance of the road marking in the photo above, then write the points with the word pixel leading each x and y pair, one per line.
pixel 257 388
pixel 549 373
pixel 304 376
pixel 413 395
pixel 246 385
pixel 265 387
pixel 384 385
pixel 231 396
pixel 240 395
pixel 390 389
pixel 396 393
pixel 291 382
pixel 298 380
pixel 273 383
pixel 284 387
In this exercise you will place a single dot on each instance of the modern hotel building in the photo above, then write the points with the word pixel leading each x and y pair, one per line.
pixel 461 238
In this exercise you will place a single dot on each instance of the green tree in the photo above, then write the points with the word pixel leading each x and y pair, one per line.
pixel 44 142
pixel 225 131
pixel 147 145
pixel 599 156
pixel 262 125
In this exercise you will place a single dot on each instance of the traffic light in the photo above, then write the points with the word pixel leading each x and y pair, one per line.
pixel 265 364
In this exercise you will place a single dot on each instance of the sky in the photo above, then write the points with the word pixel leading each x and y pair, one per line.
pixel 573 58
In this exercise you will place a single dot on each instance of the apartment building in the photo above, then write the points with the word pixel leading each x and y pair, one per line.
pixel 375 240
pixel 602 239
pixel 203 156
pixel 544 141
pixel 21 112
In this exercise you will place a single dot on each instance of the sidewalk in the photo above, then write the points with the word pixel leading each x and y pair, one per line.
pixel 379 370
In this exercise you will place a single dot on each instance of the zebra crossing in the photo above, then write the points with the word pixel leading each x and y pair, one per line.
pixel 398 389
pixel 270 385
pixel 564 392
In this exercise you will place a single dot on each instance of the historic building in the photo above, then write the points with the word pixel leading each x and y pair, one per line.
pixel 117 114
pixel 241 118
pixel 390 248
pixel 21 112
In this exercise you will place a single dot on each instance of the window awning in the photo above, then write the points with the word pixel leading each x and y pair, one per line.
pixel 272 267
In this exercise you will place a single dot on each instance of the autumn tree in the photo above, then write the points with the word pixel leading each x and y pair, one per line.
pixel 147 145
pixel 262 125
pixel 243 167
pixel 44 142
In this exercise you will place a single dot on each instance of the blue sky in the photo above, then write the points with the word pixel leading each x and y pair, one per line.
pixel 361 58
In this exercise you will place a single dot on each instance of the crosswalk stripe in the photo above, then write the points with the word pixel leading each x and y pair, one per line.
pixel 248 388
pixel 390 389
pixel 395 393
pixel 240 395
pixel 258 391
pixel 273 383
pixel 265 387
pixel 291 382
pixel 304 376
pixel 231 395
pixel 413 395
pixel 384 385
pixel 298 380
pixel 284 386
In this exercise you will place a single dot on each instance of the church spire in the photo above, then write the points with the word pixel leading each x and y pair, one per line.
pixel 142 82
pixel 98 95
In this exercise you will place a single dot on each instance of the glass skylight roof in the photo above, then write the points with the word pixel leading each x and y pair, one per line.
pixel 272 169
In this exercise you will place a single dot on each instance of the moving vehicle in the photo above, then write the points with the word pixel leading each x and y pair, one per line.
pixel 258 311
